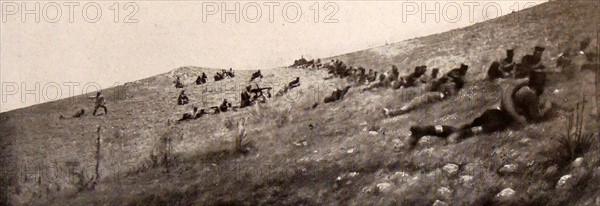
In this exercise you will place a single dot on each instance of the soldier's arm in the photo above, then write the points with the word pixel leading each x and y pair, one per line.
pixel 507 103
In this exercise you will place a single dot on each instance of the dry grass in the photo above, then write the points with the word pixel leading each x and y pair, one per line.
pixel 334 139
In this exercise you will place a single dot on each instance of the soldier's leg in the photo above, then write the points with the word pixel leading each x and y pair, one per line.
pixel 104 108
pixel 417 132
pixel 426 98
pixel 95 110
pixel 491 120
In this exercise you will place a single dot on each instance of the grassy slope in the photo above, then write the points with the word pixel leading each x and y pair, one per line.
pixel 277 171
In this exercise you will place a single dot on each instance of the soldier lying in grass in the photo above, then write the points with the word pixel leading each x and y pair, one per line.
pixel 520 104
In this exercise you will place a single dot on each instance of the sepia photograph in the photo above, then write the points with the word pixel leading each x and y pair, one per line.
pixel 311 102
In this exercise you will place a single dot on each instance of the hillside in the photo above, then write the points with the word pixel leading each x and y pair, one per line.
pixel 334 154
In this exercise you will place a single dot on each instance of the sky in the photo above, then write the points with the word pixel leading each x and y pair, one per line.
pixel 54 50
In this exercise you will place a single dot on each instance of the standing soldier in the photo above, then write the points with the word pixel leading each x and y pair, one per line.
pixel 100 103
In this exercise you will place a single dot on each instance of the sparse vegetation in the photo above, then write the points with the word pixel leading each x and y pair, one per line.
pixel 563 149
pixel 335 162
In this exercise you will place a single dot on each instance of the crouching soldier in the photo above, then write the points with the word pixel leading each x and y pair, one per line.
pixel 178 83
pixel 201 79
pixel 503 68
pixel 519 104
pixel 245 97
pixel 182 99
pixel 530 63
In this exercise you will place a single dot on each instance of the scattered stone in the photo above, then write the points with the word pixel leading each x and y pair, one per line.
pixel 563 181
pixel 350 151
pixel 470 168
pixel 398 177
pixel 413 180
pixel 506 193
pixel 384 187
pixel 509 168
pixel 451 169
pixel 300 143
pixel 425 140
pixel 578 162
pixel 465 179
pixel 352 174
pixel 373 133
pixel 444 191
pixel 363 123
pixel 556 91
pixel 439 203
pixel 551 171
pixel 525 140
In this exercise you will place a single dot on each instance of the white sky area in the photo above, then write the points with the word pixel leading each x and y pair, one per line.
pixel 168 35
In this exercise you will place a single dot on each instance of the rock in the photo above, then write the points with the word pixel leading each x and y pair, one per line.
pixel 551 171
pixel 425 140
pixel 470 168
pixel 352 174
pixel 384 187
pixel 398 177
pixel 506 194
pixel 525 140
pixel 451 169
pixel 465 179
pixel 444 191
pixel 509 168
pixel 439 203
pixel 373 133
pixel 578 162
pixel 350 151
pixel 563 181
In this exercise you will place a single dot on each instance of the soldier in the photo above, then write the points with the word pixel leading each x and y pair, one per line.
pixel 99 103
pixel 529 63
pixel 255 75
pixel 182 99
pixel 201 79
pixel 79 114
pixel 219 77
pixel 200 113
pixel 188 115
pixel 520 104
pixel 413 79
pixel 259 94
pixel 178 83
pixel 434 73
pixel 372 78
pixel 336 95
pixel 361 75
pixel 245 97
pixel 294 83
pixel 502 69
pixel 439 90
pixel 230 73
pixel 225 105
